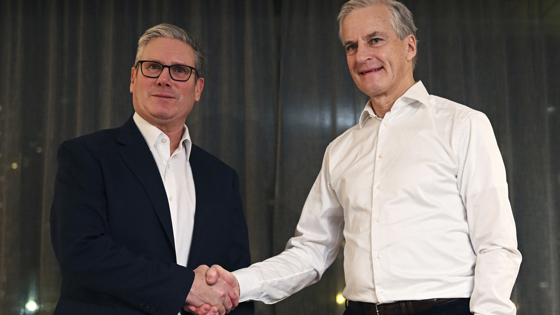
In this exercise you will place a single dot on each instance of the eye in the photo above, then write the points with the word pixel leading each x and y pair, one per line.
pixel 153 66
pixel 351 47
pixel 181 72
pixel 374 40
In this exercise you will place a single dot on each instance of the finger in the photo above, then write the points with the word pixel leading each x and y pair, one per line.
pixel 190 308
pixel 226 276
pixel 221 310
pixel 229 293
pixel 202 310
pixel 233 296
pixel 202 268
pixel 213 274
pixel 198 287
pixel 227 304
pixel 213 311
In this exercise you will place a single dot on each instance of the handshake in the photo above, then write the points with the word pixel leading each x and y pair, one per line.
pixel 214 291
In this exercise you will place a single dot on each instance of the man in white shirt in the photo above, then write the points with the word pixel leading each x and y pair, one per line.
pixel 133 205
pixel 417 190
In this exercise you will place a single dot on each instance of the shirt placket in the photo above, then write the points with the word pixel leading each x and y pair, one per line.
pixel 163 149
pixel 378 189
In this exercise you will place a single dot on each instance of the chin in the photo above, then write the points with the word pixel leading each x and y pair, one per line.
pixel 372 90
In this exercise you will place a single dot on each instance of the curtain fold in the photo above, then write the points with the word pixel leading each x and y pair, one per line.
pixel 277 91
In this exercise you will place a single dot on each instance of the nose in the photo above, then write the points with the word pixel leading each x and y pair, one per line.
pixel 363 53
pixel 164 78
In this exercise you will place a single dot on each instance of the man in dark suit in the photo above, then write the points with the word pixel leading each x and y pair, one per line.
pixel 136 209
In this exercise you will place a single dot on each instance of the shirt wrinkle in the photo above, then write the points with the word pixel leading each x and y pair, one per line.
pixel 294 275
pixel 393 189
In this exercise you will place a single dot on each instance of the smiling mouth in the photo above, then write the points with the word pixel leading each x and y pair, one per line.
pixel 372 70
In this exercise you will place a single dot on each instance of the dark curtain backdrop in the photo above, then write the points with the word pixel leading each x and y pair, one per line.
pixel 277 91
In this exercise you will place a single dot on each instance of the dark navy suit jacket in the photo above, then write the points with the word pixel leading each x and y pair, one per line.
pixel 111 226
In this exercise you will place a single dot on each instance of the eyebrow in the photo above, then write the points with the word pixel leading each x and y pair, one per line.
pixel 367 37
pixel 375 34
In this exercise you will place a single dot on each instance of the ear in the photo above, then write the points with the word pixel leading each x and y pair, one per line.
pixel 132 78
pixel 410 41
pixel 198 88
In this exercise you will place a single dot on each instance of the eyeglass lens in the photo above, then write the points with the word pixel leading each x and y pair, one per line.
pixel 153 69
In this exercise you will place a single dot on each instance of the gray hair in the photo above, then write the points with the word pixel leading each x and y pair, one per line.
pixel 171 31
pixel 402 21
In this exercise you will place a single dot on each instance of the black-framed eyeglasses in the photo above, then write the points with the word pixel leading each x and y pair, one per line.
pixel 153 69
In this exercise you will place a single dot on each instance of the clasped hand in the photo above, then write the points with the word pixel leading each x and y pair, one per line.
pixel 214 291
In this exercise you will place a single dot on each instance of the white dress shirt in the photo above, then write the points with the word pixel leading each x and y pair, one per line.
pixel 176 174
pixel 420 198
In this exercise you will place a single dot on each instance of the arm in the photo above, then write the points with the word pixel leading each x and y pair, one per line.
pixel 308 254
pixel 483 188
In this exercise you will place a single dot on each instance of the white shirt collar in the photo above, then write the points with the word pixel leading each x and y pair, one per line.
pixel 151 134
pixel 416 93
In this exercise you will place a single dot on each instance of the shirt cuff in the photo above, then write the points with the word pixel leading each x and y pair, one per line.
pixel 249 284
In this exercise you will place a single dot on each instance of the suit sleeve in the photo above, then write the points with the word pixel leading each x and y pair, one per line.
pixel 89 256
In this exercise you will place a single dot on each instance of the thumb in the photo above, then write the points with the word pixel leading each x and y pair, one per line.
pixel 212 275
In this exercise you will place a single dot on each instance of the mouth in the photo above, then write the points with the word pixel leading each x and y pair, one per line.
pixel 162 95
pixel 371 71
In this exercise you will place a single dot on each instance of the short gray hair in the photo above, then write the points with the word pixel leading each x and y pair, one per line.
pixel 171 31
pixel 402 21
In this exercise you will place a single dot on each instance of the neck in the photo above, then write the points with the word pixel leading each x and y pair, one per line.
pixel 174 133
pixel 383 103
pixel 174 139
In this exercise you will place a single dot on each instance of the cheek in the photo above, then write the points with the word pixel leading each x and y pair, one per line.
pixel 350 62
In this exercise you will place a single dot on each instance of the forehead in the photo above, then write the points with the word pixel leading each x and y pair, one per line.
pixel 363 21
pixel 168 51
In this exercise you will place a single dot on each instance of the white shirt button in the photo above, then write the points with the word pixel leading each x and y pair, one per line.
pixel 378 256
pixel 386 124
pixel 381 155
pixel 164 140
pixel 378 220
pixel 379 187
pixel 170 198
pixel 382 292
pixel 168 166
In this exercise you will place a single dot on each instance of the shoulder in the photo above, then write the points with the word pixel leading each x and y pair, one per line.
pixel 93 143
pixel 100 136
pixel 451 109
pixel 202 160
pixel 343 141
pixel 86 155
pixel 459 123
pixel 455 117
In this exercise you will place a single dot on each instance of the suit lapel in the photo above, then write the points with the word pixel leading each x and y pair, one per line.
pixel 139 158
pixel 201 219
